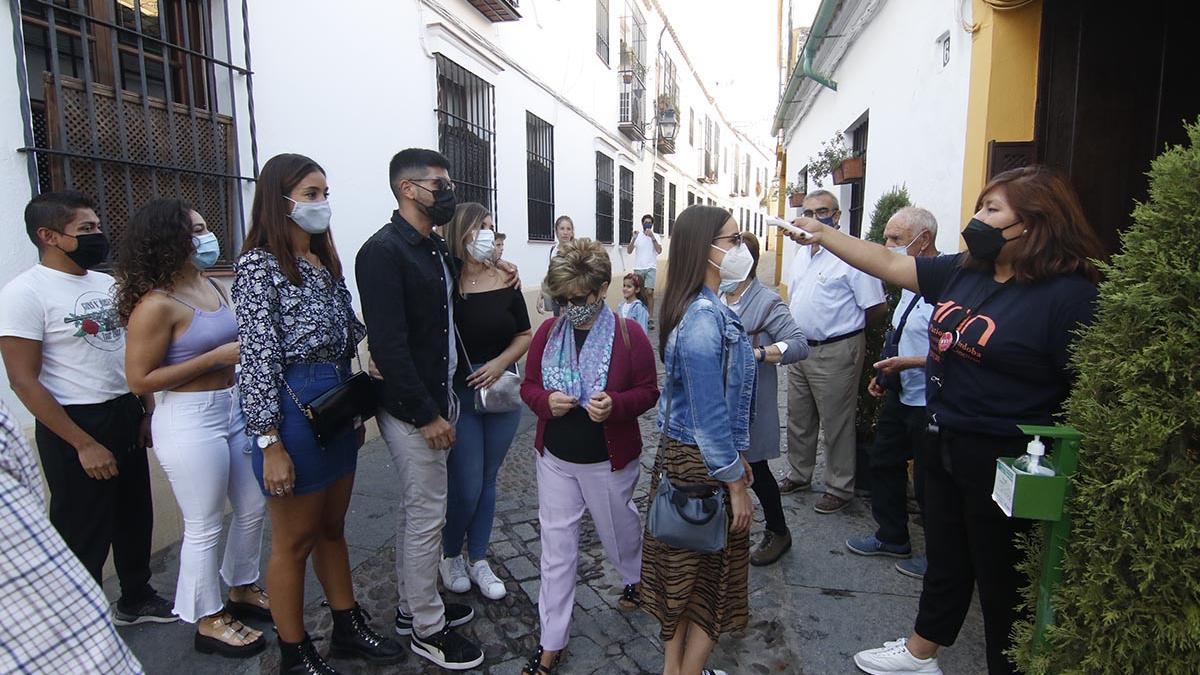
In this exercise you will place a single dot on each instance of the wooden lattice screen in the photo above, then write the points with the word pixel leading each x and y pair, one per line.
pixel 149 150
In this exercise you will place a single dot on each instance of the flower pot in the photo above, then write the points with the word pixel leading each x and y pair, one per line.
pixel 796 200
pixel 850 170
pixel 627 76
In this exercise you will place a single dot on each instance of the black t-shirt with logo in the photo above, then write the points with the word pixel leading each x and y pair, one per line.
pixel 999 352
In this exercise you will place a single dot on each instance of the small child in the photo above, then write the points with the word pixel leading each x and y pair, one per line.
pixel 498 251
pixel 634 306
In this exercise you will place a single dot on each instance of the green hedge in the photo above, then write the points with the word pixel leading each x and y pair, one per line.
pixel 1129 601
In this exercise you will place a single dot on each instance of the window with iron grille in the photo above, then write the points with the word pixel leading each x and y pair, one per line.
pixel 626 215
pixel 691 198
pixel 602 30
pixel 858 147
pixel 466 116
pixel 631 112
pixel 670 207
pixel 132 100
pixel 539 168
pixel 737 182
pixel 692 127
pixel 710 168
pixel 604 198
pixel 659 196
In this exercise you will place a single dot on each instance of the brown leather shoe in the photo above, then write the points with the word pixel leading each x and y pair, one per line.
pixel 770 548
pixel 830 504
pixel 787 486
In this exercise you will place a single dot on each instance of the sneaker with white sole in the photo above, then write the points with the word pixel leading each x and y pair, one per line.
pixel 454 574
pixel 448 649
pixel 893 658
pixel 489 584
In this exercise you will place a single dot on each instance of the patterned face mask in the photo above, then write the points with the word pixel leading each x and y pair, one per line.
pixel 582 315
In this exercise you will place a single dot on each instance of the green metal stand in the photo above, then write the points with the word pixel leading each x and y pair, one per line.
pixel 1065 455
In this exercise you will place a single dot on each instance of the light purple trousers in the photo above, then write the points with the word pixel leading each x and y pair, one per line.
pixel 565 491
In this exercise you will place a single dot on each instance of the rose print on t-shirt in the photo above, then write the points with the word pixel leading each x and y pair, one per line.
pixel 95 320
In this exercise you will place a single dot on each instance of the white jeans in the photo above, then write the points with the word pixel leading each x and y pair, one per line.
pixel 200 440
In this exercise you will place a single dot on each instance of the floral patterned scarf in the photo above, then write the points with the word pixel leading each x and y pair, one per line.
pixel 581 374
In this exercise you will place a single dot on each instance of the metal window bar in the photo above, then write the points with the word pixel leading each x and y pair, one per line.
pixel 670 208
pixel 94 124
pixel 539 168
pixel 602 30
pixel 604 198
pixel 626 204
pixel 659 197
pixel 466 116
pixel 858 146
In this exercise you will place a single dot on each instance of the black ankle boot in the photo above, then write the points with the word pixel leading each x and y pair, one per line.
pixel 353 637
pixel 302 658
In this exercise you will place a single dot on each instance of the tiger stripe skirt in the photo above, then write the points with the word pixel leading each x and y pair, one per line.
pixel 709 590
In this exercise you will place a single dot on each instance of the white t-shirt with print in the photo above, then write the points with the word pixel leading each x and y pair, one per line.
pixel 73 316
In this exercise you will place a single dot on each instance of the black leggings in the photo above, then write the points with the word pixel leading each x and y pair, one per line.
pixel 768 495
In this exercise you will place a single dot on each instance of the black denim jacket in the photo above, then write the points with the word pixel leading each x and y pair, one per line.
pixel 402 285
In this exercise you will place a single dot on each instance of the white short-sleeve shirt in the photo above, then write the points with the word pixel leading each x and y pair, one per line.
pixel 73 316
pixel 644 255
pixel 827 296
pixel 914 341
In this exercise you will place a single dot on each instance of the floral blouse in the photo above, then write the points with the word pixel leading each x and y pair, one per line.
pixel 280 324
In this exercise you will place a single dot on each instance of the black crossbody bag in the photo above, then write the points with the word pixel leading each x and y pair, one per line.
pixel 345 406
pixel 891 347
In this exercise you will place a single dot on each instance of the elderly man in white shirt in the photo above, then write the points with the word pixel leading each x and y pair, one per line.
pixel 832 304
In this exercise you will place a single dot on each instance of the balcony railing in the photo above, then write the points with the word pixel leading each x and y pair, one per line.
pixel 497 10
pixel 631 115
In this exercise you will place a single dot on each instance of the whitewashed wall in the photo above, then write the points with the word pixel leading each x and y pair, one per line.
pixel 917 111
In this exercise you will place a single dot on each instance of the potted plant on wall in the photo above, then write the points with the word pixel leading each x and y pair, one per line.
pixel 837 161
pixel 795 195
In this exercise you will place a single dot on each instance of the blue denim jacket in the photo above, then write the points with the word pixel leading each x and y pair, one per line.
pixel 709 347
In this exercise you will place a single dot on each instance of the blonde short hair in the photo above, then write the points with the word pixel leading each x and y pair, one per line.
pixel 579 267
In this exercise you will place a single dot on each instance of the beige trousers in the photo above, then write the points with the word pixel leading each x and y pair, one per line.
pixel 823 392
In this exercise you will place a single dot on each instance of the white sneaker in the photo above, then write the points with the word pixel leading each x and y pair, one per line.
pixel 489 584
pixel 454 574
pixel 894 657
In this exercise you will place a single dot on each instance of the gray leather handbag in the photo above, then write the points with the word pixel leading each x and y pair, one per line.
pixel 690 517
pixel 686 518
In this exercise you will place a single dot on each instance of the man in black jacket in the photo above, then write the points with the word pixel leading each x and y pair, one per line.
pixel 406 282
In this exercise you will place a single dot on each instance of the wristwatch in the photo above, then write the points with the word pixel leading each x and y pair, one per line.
pixel 267 440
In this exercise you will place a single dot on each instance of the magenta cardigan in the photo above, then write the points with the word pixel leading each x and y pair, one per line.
pixel 632 384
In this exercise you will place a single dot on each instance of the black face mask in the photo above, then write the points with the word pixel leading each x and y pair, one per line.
pixel 90 249
pixel 442 209
pixel 984 242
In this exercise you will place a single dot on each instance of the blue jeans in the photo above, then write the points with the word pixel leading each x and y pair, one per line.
pixel 481 442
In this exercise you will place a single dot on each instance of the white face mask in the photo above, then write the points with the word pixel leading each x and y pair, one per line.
pixel 312 217
pixel 736 264
pixel 484 245
pixel 903 250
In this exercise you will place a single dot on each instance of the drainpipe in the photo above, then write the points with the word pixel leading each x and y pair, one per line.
pixel 820 29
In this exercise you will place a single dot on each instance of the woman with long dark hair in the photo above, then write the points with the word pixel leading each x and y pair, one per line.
pixel 493 334
pixel 298 333
pixel 1000 338
pixel 704 419
pixel 182 340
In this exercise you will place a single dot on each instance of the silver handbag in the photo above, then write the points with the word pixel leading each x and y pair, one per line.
pixel 501 396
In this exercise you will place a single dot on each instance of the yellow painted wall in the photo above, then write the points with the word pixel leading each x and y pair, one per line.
pixel 1003 93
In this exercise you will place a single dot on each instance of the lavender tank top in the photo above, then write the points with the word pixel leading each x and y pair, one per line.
pixel 207 331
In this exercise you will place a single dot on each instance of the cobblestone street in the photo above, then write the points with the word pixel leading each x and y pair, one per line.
pixel 809 613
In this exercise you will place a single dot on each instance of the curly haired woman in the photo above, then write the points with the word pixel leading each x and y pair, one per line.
pixel 182 340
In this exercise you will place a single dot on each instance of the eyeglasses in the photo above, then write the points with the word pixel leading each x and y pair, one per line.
pixel 442 183
pixel 735 239
pixel 819 213
pixel 579 301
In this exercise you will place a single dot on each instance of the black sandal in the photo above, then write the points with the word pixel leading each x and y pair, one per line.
pixel 631 598
pixel 250 610
pixel 535 666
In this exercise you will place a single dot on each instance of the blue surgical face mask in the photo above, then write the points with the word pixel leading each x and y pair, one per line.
pixel 728 286
pixel 827 220
pixel 312 217
pixel 208 249
pixel 903 250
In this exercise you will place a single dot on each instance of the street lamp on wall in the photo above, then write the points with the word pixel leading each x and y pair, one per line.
pixel 667 124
